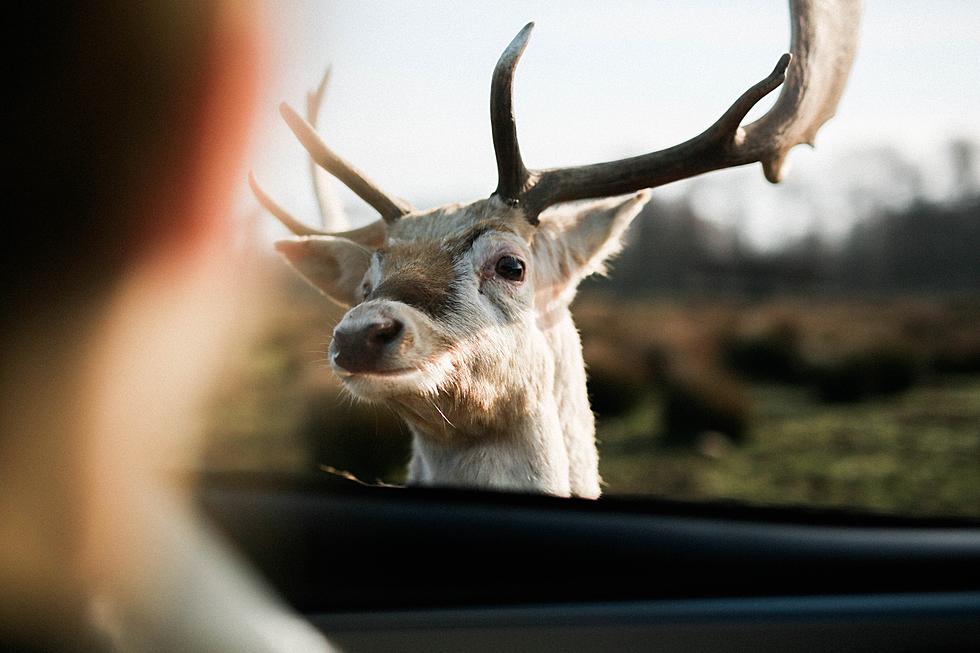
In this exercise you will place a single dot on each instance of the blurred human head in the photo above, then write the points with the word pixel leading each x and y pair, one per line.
pixel 127 135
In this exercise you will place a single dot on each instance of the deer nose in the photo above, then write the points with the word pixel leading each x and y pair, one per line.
pixel 364 347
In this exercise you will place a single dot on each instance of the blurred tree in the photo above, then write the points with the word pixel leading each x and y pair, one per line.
pixel 963 154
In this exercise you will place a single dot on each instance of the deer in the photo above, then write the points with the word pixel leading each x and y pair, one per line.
pixel 459 316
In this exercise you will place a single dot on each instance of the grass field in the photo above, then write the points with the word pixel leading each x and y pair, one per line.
pixel 918 453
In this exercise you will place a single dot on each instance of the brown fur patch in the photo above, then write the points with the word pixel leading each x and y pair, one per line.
pixel 421 275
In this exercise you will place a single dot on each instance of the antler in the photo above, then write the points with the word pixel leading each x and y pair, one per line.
pixel 331 212
pixel 371 235
pixel 391 209
pixel 512 176
pixel 824 40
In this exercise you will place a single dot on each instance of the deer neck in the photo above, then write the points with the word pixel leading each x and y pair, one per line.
pixel 576 421
pixel 535 436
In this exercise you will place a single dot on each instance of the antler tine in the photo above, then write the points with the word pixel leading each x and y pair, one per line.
pixel 512 176
pixel 331 213
pixel 391 209
pixel 314 99
pixel 281 214
pixel 824 40
pixel 371 235
pixel 824 37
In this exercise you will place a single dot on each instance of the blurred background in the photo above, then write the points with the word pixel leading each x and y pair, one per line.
pixel 815 342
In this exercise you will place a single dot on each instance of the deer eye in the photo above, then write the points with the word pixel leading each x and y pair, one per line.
pixel 510 268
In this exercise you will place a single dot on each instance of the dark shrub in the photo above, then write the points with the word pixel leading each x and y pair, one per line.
pixel 617 378
pixel 369 442
pixel 896 369
pixel 959 354
pixel 613 394
pixel 703 402
pixel 773 355
pixel 880 371
pixel 845 381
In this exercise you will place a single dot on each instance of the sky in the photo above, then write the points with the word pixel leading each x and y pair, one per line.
pixel 408 102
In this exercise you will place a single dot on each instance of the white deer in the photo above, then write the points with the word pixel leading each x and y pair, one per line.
pixel 460 316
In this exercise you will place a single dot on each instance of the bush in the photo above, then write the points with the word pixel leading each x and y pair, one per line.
pixel 959 354
pixel 612 395
pixel 368 441
pixel 880 371
pixel 773 355
pixel 617 378
pixel 703 402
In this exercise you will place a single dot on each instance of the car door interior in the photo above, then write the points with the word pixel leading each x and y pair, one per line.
pixel 416 569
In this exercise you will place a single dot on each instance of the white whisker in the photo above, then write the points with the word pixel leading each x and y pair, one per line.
pixel 439 410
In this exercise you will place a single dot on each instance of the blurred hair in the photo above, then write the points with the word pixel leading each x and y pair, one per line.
pixel 105 94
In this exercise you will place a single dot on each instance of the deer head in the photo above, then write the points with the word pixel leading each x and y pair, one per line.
pixel 459 315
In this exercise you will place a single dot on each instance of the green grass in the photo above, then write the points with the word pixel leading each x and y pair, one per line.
pixel 917 453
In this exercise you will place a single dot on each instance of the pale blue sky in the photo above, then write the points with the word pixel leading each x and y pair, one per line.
pixel 408 102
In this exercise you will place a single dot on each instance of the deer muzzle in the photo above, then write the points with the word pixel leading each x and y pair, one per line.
pixel 367 343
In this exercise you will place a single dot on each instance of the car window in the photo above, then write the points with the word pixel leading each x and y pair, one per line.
pixel 809 343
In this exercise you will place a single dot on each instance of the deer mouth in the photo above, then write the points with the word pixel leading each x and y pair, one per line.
pixel 422 376
pixel 379 385
pixel 381 374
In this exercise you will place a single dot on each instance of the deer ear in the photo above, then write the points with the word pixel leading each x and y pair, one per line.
pixel 572 244
pixel 334 266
